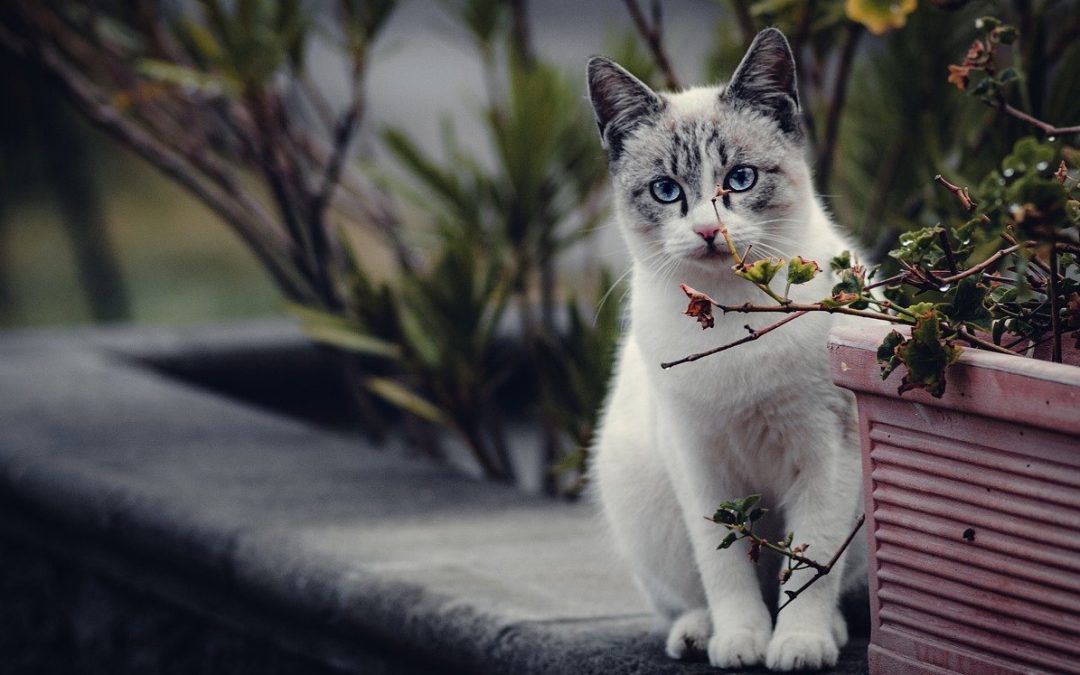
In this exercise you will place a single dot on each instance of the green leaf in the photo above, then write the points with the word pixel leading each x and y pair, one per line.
pixel 761 271
pixel 850 288
pixel 987 23
pixel 401 396
pixel 841 262
pixel 886 353
pixel 726 517
pixel 747 502
pixel 920 247
pixel 1006 35
pixel 1008 75
pixel 340 332
pixel 987 87
pixel 730 539
pixel 350 339
pixel 966 304
pixel 1072 210
pixel 756 514
pixel 801 270
pixel 207 84
pixel 927 354
pixel 999 331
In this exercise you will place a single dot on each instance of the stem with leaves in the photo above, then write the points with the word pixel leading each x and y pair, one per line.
pixel 740 515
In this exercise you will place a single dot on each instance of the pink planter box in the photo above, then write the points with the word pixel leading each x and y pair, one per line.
pixel 972 512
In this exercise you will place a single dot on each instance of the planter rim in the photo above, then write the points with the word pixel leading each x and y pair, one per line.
pixel 1038 393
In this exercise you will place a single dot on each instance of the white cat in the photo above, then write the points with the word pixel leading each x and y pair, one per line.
pixel 762 418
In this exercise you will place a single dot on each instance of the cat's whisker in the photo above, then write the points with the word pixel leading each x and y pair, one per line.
pixel 607 293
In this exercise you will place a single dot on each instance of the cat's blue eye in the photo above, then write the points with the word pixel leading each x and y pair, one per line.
pixel 665 190
pixel 741 178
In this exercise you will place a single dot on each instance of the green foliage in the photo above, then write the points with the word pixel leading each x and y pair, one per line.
pixel 739 517
pixel 1006 267
pixel 499 229
pixel 247 41
pixel 926 355
pixel 577 368
pixel 965 305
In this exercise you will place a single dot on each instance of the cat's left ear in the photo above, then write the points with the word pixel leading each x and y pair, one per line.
pixel 620 100
pixel 766 80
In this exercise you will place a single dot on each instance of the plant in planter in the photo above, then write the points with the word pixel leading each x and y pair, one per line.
pixel 971 471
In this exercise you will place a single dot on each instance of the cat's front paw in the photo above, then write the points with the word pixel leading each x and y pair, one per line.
pixel 798 650
pixel 689 635
pixel 738 648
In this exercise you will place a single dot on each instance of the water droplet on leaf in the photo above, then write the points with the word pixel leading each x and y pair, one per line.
pixel 1008 173
pixel 1042 166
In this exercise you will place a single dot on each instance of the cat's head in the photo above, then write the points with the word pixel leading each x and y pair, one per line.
pixel 668 152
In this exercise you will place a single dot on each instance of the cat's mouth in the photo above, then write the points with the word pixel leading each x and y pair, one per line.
pixel 709 252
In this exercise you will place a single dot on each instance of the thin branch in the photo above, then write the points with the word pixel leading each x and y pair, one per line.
pixel 754 334
pixel 1045 127
pixel 896 278
pixel 792 307
pixel 982 344
pixel 522 35
pixel 653 36
pixel 989 262
pixel 950 259
pixel 1055 326
pixel 343 134
pixel 798 41
pixel 961 193
pixel 836 106
pixel 745 20
pixel 791 595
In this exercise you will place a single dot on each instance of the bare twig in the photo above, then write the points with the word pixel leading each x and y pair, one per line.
pixel 821 571
pixel 792 307
pixel 1055 328
pixel 961 193
pixel 1045 127
pixel 754 334
pixel 982 344
pixel 943 236
pixel 653 36
pixel 896 278
pixel 989 262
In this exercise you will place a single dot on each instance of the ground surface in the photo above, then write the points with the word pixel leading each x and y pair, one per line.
pixel 140 516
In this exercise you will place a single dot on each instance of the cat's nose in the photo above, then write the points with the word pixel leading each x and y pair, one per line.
pixel 708 233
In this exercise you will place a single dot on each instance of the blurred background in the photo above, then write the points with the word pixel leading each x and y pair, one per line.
pixel 418 183
pixel 89 233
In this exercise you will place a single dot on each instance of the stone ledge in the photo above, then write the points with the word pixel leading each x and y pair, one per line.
pixel 302 540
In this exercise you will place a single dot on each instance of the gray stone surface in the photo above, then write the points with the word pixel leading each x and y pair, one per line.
pixel 314 541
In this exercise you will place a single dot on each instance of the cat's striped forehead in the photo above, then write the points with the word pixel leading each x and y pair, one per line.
pixel 696 137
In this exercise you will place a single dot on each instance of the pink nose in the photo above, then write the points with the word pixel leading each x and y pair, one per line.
pixel 707 232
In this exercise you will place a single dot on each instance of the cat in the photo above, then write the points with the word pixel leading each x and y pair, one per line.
pixel 763 418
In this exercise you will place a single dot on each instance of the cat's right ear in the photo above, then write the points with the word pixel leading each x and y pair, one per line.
pixel 620 101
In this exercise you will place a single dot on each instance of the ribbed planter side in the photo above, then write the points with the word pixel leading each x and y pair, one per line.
pixel 973 512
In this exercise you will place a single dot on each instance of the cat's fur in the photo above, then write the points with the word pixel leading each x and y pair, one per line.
pixel 762 418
